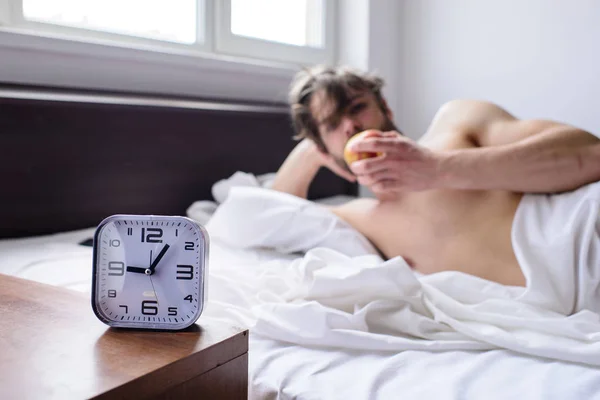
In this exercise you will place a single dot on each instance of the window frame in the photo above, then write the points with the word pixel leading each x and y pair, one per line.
pixel 216 42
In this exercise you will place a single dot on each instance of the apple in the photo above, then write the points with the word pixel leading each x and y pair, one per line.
pixel 351 156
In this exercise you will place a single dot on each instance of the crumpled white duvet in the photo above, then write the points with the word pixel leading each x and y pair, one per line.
pixel 340 293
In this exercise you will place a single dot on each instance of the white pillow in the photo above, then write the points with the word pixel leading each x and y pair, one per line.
pixel 254 217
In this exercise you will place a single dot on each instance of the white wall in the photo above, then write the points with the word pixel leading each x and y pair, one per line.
pixel 353 33
pixel 384 54
pixel 537 58
pixel 368 36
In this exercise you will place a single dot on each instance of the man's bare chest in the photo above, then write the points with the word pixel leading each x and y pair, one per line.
pixel 447 230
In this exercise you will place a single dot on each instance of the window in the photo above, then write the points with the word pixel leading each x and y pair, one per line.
pixel 298 31
pixel 171 21
pixel 294 30
pixel 297 22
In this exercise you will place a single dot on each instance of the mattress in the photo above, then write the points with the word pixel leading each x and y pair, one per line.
pixel 280 370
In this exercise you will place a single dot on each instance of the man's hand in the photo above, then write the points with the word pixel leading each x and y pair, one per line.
pixel 404 166
pixel 327 161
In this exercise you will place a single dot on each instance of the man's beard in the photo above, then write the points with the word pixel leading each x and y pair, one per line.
pixel 387 125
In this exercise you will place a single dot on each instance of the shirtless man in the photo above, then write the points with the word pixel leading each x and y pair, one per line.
pixel 446 202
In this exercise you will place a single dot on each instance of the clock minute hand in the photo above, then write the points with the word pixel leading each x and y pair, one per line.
pixel 158 258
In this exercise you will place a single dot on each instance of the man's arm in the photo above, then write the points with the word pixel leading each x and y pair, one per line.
pixel 298 170
pixel 300 167
pixel 524 156
pixel 513 155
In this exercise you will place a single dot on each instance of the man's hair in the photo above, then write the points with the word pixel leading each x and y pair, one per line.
pixel 336 83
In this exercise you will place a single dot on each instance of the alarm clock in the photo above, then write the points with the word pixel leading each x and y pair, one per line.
pixel 149 271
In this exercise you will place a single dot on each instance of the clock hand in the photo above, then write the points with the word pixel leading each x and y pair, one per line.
pixel 149 273
pixel 136 269
pixel 158 258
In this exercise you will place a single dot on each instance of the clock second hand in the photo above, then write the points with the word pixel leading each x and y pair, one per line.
pixel 150 276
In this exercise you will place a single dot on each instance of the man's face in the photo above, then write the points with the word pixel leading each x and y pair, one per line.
pixel 337 126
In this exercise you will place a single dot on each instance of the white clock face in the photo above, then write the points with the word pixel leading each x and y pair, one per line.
pixel 149 271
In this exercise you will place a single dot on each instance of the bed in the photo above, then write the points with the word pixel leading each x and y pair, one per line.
pixel 72 157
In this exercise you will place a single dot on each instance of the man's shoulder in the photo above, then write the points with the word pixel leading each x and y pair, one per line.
pixel 472 111
pixel 471 103
pixel 457 121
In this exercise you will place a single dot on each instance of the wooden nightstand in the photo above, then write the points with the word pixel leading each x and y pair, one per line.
pixel 53 347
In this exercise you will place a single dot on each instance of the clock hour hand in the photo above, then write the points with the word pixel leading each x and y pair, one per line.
pixel 136 269
pixel 158 258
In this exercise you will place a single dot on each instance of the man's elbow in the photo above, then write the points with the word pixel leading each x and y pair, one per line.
pixel 584 167
pixel 594 161
pixel 585 138
pixel 588 166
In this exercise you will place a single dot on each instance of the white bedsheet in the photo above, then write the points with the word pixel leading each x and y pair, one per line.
pixel 56 260
pixel 363 303
pixel 258 283
pixel 281 370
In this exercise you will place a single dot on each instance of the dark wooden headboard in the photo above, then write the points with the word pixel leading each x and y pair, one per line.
pixel 71 158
